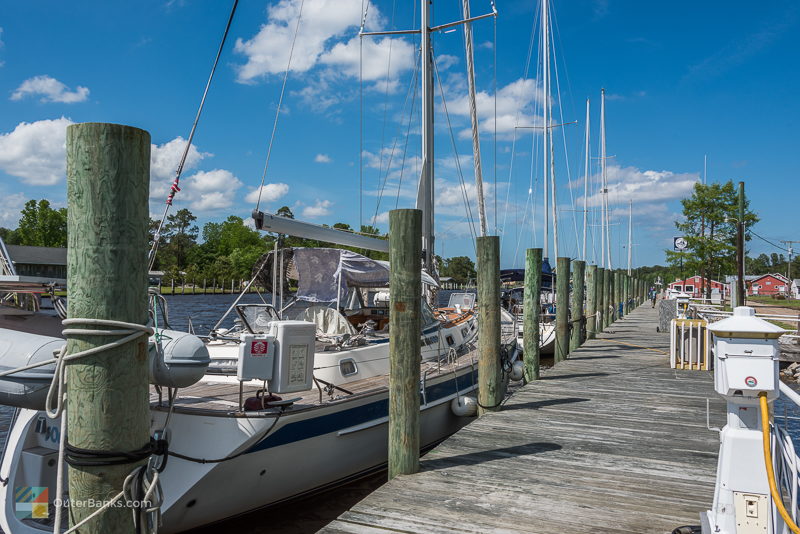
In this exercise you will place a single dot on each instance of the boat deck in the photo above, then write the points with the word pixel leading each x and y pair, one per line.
pixel 610 440
pixel 219 395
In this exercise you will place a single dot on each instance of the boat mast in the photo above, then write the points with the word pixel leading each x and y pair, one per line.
pixel 473 114
pixel 606 241
pixel 586 182
pixel 630 233
pixel 546 118
pixel 425 191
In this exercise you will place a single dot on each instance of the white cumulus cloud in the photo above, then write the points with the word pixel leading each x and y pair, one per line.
pixel 269 193
pixel 164 159
pixel 326 44
pixel 10 208
pixel 50 90
pixel 35 151
pixel 322 158
pixel 320 208
pixel 518 104
pixel 630 183
pixel 207 191
pixel 322 21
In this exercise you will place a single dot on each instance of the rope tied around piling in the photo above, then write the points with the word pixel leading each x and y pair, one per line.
pixel 141 487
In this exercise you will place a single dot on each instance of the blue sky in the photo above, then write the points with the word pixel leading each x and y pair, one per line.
pixel 683 80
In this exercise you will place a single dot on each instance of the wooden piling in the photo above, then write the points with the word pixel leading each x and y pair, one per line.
pixel 108 174
pixel 609 297
pixel 489 368
pixel 591 301
pixel 531 313
pixel 576 337
pixel 405 295
pixel 562 309
pixel 600 285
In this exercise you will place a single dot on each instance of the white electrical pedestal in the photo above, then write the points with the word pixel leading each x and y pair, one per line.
pixel 745 364
pixel 682 305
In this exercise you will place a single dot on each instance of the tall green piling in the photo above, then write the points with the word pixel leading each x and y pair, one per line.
pixel 591 301
pixel 405 296
pixel 489 380
pixel 609 297
pixel 562 309
pixel 531 313
pixel 108 397
pixel 616 294
pixel 576 337
pixel 624 292
pixel 600 284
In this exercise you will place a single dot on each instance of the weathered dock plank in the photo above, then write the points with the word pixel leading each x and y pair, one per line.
pixel 610 440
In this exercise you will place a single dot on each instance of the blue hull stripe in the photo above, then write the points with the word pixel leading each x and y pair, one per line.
pixel 317 426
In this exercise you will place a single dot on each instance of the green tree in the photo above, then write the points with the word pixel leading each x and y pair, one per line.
pixel 9 236
pixel 181 223
pixel 460 268
pixel 223 238
pixel 42 226
pixel 284 211
pixel 709 227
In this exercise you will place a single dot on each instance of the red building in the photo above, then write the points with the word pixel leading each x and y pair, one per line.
pixel 695 286
pixel 768 284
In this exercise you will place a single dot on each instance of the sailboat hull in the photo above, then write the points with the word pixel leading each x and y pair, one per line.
pixel 307 449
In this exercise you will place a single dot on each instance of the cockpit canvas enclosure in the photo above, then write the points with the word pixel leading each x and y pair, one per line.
pixel 327 274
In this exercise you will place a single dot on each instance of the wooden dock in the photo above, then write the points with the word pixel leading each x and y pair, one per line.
pixel 610 440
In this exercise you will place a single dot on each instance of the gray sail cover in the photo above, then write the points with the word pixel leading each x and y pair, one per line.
pixel 327 274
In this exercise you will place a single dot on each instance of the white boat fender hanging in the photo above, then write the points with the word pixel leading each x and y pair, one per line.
pixel 464 406
pixel 517 371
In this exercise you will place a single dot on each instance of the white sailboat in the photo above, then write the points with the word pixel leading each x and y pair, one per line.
pixel 234 446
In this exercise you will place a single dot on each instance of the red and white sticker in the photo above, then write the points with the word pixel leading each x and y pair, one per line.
pixel 751 381
pixel 258 348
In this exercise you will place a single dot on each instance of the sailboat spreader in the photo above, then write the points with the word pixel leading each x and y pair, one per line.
pixel 283 225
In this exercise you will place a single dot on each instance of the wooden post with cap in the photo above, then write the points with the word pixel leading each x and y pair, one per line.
pixel 108 396
pixel 405 305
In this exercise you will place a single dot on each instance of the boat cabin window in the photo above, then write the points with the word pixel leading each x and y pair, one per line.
pixel 348 367
pixel 256 317
pixel 465 300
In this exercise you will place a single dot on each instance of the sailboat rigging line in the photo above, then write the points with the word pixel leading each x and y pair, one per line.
pixel 361 129
pixel 364 8
pixel 476 142
pixel 280 103
pixel 386 92
pixel 516 120
pixel 405 145
pixel 494 138
pixel 411 86
pixel 175 187
pixel 455 156
pixel 564 139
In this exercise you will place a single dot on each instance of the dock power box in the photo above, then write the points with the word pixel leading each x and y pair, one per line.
pixel 283 356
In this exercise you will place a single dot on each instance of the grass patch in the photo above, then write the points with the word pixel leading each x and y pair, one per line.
pixel 782 303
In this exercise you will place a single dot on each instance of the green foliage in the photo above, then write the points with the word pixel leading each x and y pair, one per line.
pixel 41 225
pixel 460 268
pixel 709 227
pixel 9 236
